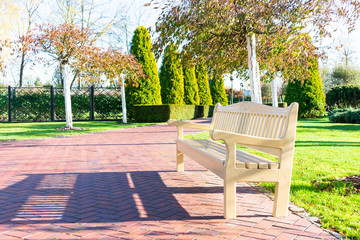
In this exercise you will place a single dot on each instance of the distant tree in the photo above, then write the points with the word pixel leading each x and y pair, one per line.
pixel 171 77
pixel 191 89
pixel 309 94
pixel 203 84
pixel 217 89
pixel 24 44
pixel 339 75
pixel 147 89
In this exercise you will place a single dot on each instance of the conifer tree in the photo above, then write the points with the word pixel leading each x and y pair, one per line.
pixel 147 91
pixel 191 90
pixel 217 89
pixel 171 77
pixel 203 84
pixel 308 94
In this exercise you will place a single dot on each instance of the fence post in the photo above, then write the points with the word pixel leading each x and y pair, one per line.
pixel 9 103
pixel 52 108
pixel 92 103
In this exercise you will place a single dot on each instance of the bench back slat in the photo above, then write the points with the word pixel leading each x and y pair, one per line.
pixel 242 119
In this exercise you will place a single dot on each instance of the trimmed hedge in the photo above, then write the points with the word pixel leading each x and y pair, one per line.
pixel 162 113
pixel 345 115
pixel 344 96
pixel 280 104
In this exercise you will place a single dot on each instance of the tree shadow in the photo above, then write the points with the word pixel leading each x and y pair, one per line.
pixel 326 144
pixel 96 198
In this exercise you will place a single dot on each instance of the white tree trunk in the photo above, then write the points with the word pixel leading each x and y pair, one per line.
pixel 123 100
pixel 253 70
pixel 274 84
pixel 67 95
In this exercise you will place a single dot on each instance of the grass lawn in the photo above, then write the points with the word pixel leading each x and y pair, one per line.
pixel 35 130
pixel 326 151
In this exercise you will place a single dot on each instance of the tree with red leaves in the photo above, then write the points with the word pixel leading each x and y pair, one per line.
pixel 71 45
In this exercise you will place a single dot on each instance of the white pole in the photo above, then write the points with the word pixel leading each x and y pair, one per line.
pixel 123 101
pixel 253 70
pixel 67 96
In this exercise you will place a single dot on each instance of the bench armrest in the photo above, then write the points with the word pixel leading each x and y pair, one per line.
pixel 229 137
pixel 186 124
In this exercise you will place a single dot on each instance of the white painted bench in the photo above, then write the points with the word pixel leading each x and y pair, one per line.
pixel 263 128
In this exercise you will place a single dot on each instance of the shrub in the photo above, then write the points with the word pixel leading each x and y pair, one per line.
pixel 308 94
pixel 171 77
pixel 203 84
pixel 191 90
pixel 148 89
pixel 344 96
pixel 345 115
pixel 217 89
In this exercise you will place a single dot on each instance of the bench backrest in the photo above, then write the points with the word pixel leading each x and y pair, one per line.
pixel 255 119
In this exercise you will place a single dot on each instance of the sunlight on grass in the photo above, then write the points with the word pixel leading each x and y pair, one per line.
pixel 323 151
pixel 22 131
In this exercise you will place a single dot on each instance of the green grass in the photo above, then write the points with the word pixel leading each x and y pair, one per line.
pixel 36 130
pixel 325 151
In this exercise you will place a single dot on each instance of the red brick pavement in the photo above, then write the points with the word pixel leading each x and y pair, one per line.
pixel 122 185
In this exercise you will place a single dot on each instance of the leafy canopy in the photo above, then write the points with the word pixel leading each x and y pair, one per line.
pixel 217 30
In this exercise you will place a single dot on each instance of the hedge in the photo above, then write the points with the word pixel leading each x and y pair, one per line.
pixel 344 96
pixel 280 104
pixel 162 113
pixel 345 115
pixel 34 104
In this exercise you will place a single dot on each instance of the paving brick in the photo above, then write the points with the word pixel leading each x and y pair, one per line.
pixel 122 184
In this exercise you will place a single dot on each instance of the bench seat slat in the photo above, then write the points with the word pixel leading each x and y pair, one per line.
pixel 243 159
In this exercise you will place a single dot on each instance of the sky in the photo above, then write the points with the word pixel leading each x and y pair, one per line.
pixel 138 14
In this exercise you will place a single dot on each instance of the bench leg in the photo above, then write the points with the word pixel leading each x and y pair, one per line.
pixel 179 161
pixel 281 200
pixel 229 199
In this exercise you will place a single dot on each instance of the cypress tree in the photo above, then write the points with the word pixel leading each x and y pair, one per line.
pixel 308 94
pixel 171 77
pixel 203 84
pixel 147 91
pixel 217 89
pixel 191 90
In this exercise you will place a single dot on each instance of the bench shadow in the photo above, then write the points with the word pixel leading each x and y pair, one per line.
pixel 95 198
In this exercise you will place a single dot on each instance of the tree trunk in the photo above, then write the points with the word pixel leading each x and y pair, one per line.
pixel 274 84
pixel 67 95
pixel 123 100
pixel 253 70
pixel 22 66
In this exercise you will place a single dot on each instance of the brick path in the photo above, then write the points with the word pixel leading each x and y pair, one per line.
pixel 122 185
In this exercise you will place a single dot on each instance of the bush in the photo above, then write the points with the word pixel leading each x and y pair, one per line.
pixel 162 113
pixel 171 77
pixel 217 89
pixel 344 96
pixel 345 115
pixel 308 94
pixel 191 90
pixel 203 84
pixel 147 91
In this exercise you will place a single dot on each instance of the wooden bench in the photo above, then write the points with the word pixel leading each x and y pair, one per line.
pixel 263 128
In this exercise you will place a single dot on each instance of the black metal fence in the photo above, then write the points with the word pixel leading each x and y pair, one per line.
pixel 48 104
